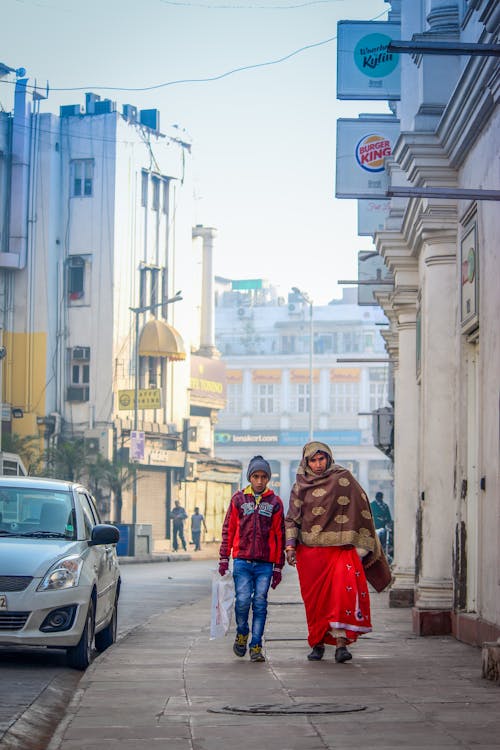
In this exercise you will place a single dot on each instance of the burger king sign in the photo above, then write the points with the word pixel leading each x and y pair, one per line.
pixel 371 151
pixel 363 146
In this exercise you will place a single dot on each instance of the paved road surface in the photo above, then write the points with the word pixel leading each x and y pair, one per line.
pixel 36 684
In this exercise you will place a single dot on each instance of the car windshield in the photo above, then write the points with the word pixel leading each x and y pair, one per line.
pixel 37 513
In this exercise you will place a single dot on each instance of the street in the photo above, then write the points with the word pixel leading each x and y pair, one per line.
pixel 31 676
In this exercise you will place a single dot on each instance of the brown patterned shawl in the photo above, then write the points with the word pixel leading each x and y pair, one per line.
pixel 330 509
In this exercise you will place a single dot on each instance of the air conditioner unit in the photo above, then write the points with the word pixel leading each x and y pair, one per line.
pixel 150 118
pixel 92 446
pixel 77 393
pixel 81 353
pixel 190 471
pixel 71 110
pixel 104 107
pixel 294 308
pixel 130 112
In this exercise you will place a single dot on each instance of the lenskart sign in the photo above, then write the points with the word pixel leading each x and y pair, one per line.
pixel 285 437
pixel 366 69
pixel 239 437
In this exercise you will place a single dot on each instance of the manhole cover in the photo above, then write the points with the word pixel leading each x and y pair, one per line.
pixel 272 709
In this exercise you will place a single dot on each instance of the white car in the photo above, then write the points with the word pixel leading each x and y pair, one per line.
pixel 59 573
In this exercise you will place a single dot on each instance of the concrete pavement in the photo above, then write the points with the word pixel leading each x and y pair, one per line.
pixel 166 685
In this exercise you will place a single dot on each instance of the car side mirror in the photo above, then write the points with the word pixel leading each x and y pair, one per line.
pixel 104 533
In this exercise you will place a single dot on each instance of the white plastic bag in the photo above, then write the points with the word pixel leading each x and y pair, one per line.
pixel 222 604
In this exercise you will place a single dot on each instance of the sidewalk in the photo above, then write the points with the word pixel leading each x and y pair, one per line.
pixel 166 685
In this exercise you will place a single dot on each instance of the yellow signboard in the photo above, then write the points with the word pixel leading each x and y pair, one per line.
pixel 147 398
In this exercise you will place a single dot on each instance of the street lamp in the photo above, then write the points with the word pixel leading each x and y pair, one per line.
pixel 305 297
pixel 137 311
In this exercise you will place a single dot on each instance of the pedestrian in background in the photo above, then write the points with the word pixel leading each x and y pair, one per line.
pixel 329 527
pixel 381 517
pixel 179 515
pixel 253 533
pixel 197 521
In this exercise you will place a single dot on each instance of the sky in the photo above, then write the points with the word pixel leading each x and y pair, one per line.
pixel 263 137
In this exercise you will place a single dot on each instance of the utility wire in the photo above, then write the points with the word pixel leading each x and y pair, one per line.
pixel 208 79
pixel 249 7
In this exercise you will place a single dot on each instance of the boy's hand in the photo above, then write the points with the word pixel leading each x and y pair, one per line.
pixel 276 579
pixel 223 567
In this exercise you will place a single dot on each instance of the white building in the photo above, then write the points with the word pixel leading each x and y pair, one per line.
pixel 264 341
pixel 444 312
pixel 100 235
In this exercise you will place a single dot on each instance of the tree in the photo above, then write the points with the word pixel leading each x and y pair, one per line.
pixel 28 447
pixel 120 477
pixel 68 460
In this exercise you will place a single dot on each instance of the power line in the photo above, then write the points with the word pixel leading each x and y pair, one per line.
pixel 208 79
pixel 249 7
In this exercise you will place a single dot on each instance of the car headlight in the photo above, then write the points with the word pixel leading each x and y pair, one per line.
pixel 64 574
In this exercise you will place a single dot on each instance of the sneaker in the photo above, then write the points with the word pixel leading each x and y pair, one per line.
pixel 240 644
pixel 256 653
pixel 342 654
pixel 317 653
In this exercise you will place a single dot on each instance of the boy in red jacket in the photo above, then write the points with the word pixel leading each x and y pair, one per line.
pixel 254 534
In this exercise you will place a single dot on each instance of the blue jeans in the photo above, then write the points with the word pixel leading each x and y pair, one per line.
pixel 251 582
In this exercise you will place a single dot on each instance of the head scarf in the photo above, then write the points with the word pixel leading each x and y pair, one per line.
pixel 309 450
pixel 329 509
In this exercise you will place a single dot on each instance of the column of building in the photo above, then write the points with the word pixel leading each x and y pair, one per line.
pixel 401 308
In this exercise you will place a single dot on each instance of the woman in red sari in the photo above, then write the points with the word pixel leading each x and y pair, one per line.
pixel 329 529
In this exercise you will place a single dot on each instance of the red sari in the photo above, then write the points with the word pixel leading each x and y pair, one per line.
pixel 335 593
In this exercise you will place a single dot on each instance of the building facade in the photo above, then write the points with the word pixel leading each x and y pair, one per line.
pixel 444 310
pixel 265 342
pixel 101 287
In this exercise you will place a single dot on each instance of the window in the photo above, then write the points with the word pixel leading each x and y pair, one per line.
pixel 344 398
pixel 288 344
pixel 155 202
pixel 300 398
pixel 82 177
pixel 265 398
pixel 77 279
pixel 378 387
pixel 76 275
pixel 234 395
pixel 150 280
pixel 89 517
pixel 144 188
pixel 351 341
pixel 303 398
pixel 165 195
pixel 79 374
pixel 154 372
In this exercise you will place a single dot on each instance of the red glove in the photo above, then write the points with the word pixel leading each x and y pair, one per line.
pixel 223 567
pixel 276 579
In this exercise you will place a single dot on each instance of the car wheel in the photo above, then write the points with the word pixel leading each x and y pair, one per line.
pixel 107 636
pixel 80 656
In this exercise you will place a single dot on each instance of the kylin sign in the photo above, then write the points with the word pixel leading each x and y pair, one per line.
pixel 366 68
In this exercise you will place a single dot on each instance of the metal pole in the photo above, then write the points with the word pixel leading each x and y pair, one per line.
pixel 2 355
pixel 137 311
pixel 136 403
pixel 311 347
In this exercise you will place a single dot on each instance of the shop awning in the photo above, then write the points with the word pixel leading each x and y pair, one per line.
pixel 160 339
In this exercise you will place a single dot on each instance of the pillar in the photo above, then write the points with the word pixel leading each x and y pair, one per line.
pixel 207 332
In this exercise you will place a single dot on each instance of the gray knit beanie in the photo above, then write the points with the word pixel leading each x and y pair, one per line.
pixel 258 463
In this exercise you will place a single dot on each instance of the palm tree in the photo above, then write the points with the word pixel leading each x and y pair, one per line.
pixel 68 460
pixel 120 477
